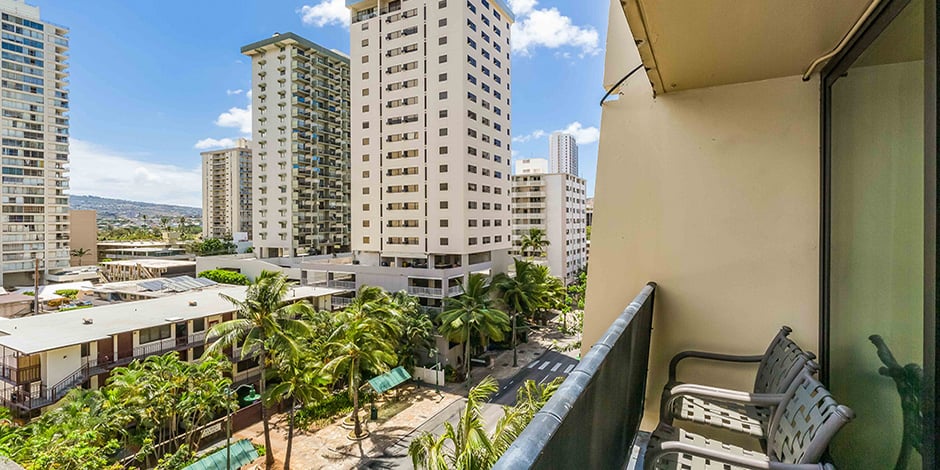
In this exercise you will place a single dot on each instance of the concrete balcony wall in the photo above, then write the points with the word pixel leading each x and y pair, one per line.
pixel 714 194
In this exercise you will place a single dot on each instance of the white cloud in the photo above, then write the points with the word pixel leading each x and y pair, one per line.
pixel 538 134
pixel 522 7
pixel 234 92
pixel 211 143
pixel 327 12
pixel 584 135
pixel 548 28
pixel 236 117
pixel 248 95
pixel 99 171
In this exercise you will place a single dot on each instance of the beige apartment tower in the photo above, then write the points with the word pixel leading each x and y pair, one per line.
pixel 431 135
pixel 226 191
pixel 554 203
pixel 300 147
pixel 35 206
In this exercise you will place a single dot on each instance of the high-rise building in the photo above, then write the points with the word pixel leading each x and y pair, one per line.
pixel 563 153
pixel 430 138
pixel 35 107
pixel 554 203
pixel 531 166
pixel 300 147
pixel 226 190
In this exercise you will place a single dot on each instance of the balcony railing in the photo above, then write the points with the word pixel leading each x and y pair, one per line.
pixel 351 285
pixel 340 302
pixel 425 291
pixel 20 375
pixel 591 421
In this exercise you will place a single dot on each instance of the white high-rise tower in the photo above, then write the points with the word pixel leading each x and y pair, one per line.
pixel 431 139
pixel 35 206
pixel 563 153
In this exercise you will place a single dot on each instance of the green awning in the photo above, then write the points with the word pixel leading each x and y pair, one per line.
pixel 390 379
pixel 243 453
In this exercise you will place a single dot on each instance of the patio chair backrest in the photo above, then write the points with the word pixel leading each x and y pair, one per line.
pixel 805 422
pixel 782 362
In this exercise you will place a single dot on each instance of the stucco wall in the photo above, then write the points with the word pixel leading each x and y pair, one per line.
pixel 714 194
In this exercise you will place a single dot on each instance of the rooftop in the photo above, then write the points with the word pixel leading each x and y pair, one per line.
pixel 292 38
pixel 30 335
pixel 151 263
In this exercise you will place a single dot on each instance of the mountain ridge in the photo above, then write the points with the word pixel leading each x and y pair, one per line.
pixel 123 208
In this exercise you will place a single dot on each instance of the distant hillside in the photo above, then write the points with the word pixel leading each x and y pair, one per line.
pixel 119 208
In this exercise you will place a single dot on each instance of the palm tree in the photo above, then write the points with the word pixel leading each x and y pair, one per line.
pixel 535 241
pixel 79 253
pixel 264 322
pixel 300 382
pixel 470 447
pixel 520 294
pixel 472 315
pixel 467 446
pixel 363 342
pixel 417 329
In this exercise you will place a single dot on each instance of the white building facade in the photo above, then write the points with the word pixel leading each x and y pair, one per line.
pixel 556 204
pixel 563 153
pixel 35 127
pixel 226 191
pixel 531 166
pixel 300 147
pixel 430 138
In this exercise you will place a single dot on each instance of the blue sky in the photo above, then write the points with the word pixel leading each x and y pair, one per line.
pixel 152 83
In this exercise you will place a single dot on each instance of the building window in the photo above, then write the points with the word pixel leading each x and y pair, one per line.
pixel 365 108
pixel 442 59
pixel 442 150
pixel 442 113
pixel 442 95
pixel 442 132
pixel 444 241
pixel 443 205
pixel 443 169
pixel 442 40
pixel 365 173
pixel 365 75
pixel 365 141
pixel 365 42
pixel 365 207
pixel 442 22
pixel 365 59
pixel 472 241
pixel 366 239
pixel 365 92
pixel 366 223
pixel 365 124
pixel 155 333
pixel 445 223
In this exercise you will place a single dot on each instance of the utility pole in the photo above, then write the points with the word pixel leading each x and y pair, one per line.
pixel 36 285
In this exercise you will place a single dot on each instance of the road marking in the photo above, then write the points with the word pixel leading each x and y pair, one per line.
pixel 544 364
pixel 557 365
pixel 532 364
pixel 568 369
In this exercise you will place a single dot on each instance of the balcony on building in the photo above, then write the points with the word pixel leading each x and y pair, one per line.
pixel 733 197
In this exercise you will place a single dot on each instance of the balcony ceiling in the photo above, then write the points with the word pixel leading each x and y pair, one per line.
pixel 688 45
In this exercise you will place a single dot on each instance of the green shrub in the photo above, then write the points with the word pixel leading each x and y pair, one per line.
pixel 321 413
pixel 70 293
pixel 225 277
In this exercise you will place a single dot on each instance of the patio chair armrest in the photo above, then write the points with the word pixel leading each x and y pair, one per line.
pixel 728 395
pixel 674 447
pixel 674 363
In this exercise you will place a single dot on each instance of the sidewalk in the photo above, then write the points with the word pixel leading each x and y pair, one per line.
pixel 329 448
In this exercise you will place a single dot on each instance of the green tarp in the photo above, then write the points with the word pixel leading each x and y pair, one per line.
pixel 390 379
pixel 243 453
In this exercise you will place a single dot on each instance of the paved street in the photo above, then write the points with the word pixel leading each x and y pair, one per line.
pixel 544 368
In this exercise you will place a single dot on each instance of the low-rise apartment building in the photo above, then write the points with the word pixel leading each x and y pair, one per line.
pixel 135 269
pixel 116 249
pixel 555 204
pixel 42 357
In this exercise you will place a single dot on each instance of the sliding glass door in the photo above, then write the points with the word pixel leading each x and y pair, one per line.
pixel 874 190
